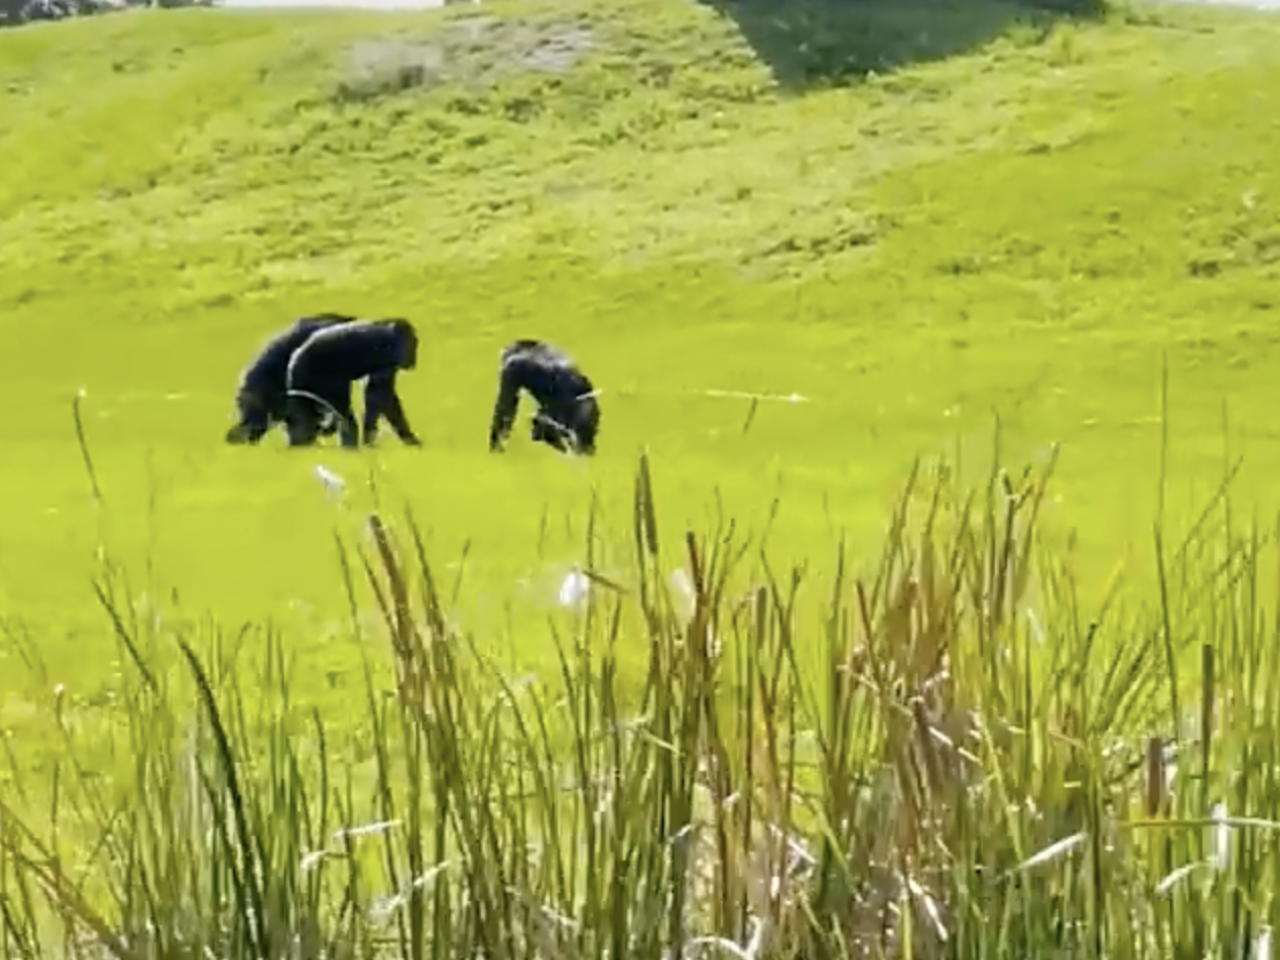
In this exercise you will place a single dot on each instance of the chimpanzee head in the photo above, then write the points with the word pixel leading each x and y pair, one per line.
pixel 254 419
pixel 571 430
pixel 407 337
pixel 545 430
pixel 237 433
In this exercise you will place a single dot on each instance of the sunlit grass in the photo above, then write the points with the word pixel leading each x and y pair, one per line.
pixel 963 758
pixel 1014 214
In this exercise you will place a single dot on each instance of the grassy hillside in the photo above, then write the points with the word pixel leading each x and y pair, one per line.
pixel 1014 213
pixel 912 215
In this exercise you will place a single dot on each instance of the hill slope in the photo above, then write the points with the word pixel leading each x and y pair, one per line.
pixel 1014 215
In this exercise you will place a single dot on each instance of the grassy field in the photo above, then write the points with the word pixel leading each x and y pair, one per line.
pixel 1013 213
pixel 915 216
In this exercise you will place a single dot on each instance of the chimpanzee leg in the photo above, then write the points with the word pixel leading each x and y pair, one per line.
pixel 311 404
pixel 339 398
pixel 303 421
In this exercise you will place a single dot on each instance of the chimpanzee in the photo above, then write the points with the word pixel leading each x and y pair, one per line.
pixel 261 400
pixel 324 368
pixel 569 414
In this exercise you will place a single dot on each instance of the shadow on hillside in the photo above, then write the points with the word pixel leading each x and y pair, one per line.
pixel 820 43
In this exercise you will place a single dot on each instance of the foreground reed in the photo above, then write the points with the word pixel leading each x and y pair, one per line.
pixel 948 758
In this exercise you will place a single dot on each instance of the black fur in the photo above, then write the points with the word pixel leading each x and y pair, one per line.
pixel 568 417
pixel 322 371
pixel 261 398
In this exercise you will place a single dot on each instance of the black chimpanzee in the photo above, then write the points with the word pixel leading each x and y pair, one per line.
pixel 569 414
pixel 261 400
pixel 324 368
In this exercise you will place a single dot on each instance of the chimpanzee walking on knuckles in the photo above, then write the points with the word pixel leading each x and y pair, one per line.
pixel 261 397
pixel 568 417
pixel 323 370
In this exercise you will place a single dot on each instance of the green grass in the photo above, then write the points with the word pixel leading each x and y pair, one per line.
pixel 962 760
pixel 1016 214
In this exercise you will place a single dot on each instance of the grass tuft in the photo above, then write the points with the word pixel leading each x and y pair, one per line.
pixel 962 761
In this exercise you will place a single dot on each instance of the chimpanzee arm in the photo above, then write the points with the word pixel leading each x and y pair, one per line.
pixel 506 404
pixel 382 400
